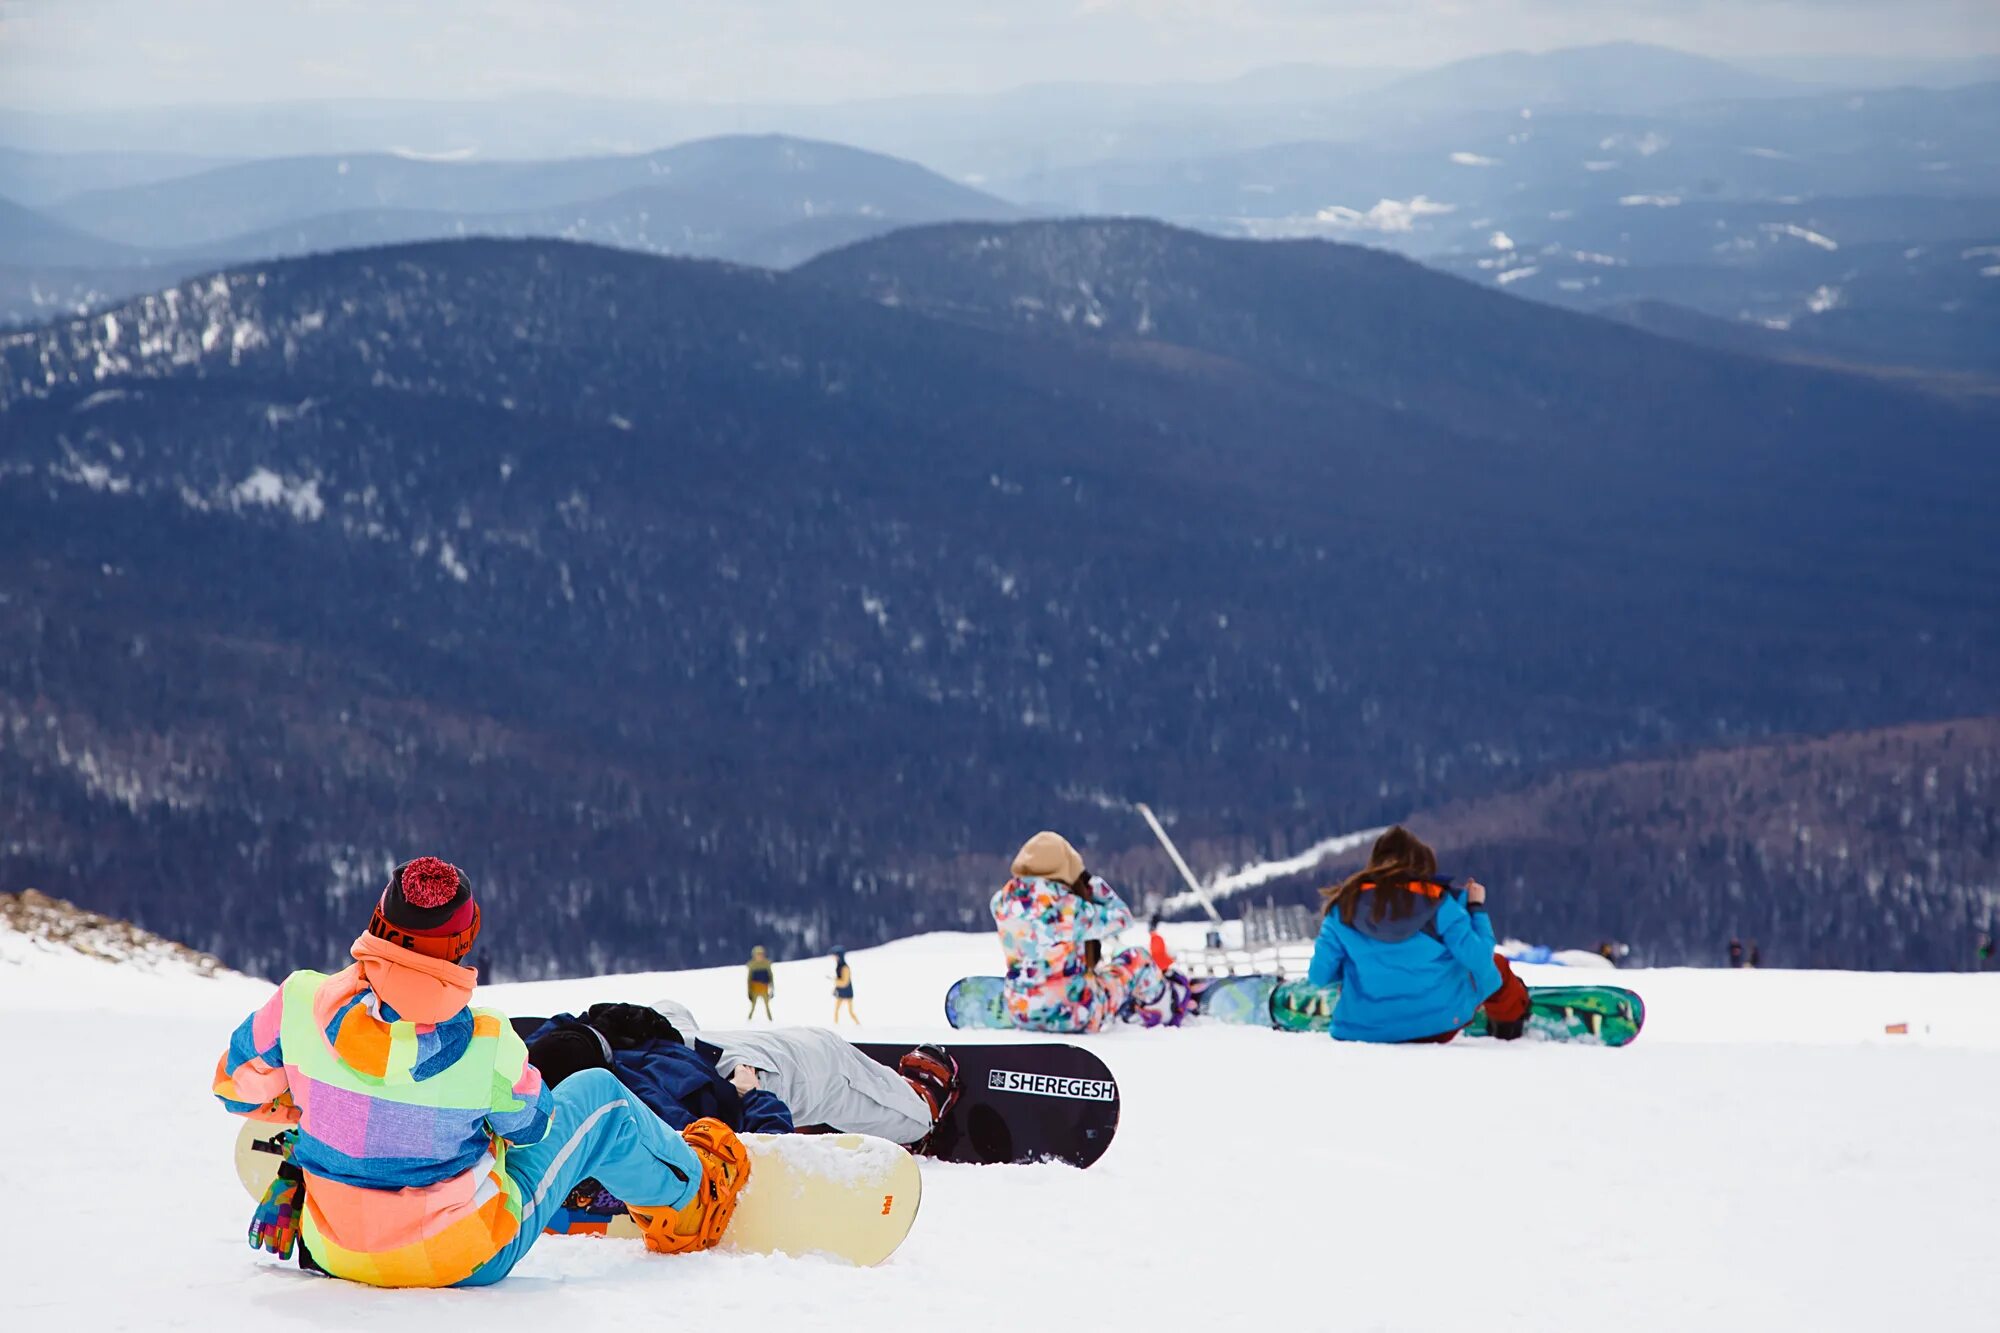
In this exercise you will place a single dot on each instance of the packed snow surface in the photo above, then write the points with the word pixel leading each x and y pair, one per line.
pixel 1765 1157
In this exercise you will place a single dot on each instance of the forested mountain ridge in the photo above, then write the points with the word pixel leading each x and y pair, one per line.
pixel 690 606
pixel 1867 849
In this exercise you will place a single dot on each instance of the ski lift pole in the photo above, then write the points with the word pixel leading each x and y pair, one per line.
pixel 1174 852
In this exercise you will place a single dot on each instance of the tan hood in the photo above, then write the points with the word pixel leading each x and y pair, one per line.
pixel 419 988
pixel 1049 856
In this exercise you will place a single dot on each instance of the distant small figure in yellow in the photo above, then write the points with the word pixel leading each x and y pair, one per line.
pixel 843 988
pixel 763 984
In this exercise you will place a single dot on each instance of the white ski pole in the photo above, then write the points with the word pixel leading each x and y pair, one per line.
pixel 1175 853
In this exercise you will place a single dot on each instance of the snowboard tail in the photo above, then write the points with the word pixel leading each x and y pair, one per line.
pixel 1236 999
pixel 1606 1015
pixel 1021 1102
pixel 978 1003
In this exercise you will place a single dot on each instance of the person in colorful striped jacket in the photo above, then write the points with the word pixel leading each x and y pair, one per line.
pixel 427 1152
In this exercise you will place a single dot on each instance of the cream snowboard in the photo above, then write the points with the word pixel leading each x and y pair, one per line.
pixel 845 1196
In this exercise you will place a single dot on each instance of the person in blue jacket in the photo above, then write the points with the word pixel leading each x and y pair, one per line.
pixel 677 1080
pixel 1413 955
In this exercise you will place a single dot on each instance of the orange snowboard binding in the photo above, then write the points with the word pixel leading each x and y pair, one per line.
pixel 725 1169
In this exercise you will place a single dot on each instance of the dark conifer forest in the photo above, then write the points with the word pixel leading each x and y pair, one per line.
pixel 689 606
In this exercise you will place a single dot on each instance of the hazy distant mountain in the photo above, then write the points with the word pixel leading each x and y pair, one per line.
pixel 523 126
pixel 1878 71
pixel 1889 281
pixel 703 187
pixel 768 200
pixel 643 580
pixel 637 220
pixel 990 134
pixel 29 238
pixel 1870 214
pixel 39 179
pixel 1478 166
pixel 1296 82
pixel 1617 76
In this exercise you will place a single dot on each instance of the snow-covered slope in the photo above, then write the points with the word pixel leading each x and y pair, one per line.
pixel 1764 1157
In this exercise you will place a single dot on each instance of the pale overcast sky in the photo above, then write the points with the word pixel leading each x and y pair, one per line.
pixel 59 54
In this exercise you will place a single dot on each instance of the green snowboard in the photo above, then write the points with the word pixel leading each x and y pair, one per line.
pixel 1604 1015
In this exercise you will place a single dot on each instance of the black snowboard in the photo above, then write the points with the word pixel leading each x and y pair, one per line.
pixel 1022 1102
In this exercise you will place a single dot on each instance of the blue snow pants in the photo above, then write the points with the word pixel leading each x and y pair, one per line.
pixel 599 1129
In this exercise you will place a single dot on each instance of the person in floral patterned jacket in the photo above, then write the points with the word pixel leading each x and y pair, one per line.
pixel 1053 917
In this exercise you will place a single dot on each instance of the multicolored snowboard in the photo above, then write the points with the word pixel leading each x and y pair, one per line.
pixel 1237 999
pixel 1605 1015
pixel 1021 1102
pixel 978 1002
pixel 844 1196
pixel 981 1003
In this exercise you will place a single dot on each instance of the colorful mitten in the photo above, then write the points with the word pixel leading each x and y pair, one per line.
pixel 275 1225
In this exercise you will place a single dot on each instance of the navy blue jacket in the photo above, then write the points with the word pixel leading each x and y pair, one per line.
pixel 682 1085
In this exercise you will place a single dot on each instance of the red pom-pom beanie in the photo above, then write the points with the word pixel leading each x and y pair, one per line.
pixel 428 907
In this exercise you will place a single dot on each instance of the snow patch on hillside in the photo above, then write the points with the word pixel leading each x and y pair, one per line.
pixel 1387 215
pixel 269 490
pixel 1806 234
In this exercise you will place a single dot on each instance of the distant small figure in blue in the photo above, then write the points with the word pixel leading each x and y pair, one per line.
pixel 843 988
pixel 1736 953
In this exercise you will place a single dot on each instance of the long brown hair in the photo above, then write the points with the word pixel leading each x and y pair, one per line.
pixel 1399 859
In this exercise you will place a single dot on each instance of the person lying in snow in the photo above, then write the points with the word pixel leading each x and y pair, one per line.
pixel 761 1081
pixel 1053 917
pixel 827 1082
pixel 814 1077
pixel 646 1053
pixel 1413 955
pixel 428 1152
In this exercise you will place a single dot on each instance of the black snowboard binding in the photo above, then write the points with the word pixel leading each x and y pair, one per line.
pixel 934 1074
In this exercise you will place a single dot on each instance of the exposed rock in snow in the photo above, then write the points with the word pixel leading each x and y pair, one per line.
pixel 32 922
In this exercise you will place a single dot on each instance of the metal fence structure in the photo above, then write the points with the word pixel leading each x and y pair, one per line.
pixel 1272 938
